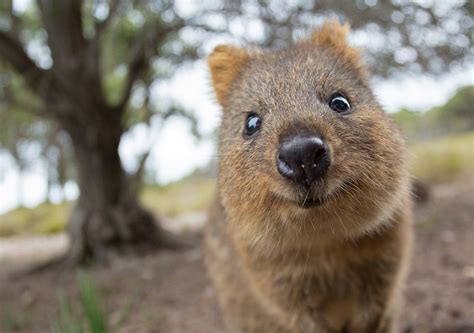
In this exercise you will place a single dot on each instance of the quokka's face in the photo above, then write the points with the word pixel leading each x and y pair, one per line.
pixel 302 130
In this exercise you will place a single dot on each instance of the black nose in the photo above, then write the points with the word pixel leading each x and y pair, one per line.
pixel 303 159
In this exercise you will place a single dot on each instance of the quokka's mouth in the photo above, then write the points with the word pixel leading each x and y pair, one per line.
pixel 310 202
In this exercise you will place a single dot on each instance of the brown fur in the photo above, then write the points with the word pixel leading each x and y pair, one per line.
pixel 225 64
pixel 278 267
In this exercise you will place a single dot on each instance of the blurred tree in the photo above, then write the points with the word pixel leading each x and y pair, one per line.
pixel 456 115
pixel 410 121
pixel 56 151
pixel 398 35
pixel 452 117
pixel 88 67
pixel 29 138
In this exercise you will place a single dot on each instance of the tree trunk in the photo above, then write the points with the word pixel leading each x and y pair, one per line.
pixel 107 217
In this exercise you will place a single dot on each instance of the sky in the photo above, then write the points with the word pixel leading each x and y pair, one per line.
pixel 176 153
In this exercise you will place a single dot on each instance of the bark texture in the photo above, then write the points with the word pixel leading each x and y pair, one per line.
pixel 108 217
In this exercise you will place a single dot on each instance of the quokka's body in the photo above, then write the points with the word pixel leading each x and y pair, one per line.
pixel 311 228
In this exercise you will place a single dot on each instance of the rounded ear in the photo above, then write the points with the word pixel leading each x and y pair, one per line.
pixel 225 64
pixel 333 34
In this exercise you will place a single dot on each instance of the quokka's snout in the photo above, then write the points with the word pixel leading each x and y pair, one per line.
pixel 311 228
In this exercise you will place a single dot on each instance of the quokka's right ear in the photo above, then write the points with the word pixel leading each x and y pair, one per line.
pixel 333 34
pixel 225 64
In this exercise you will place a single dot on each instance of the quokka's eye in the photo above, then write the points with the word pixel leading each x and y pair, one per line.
pixel 252 124
pixel 339 103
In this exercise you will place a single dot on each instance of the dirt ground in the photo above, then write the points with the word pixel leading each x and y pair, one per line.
pixel 169 292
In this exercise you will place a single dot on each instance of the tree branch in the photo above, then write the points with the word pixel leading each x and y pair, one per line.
pixel 12 52
pixel 92 53
pixel 63 23
pixel 141 54
pixel 75 65
pixel 101 26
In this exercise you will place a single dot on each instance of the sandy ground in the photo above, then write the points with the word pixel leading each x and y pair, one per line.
pixel 169 291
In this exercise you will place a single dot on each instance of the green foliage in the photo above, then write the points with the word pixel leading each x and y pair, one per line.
pixel 93 320
pixel 138 45
pixel 28 137
pixel 43 219
pixel 455 116
pixel 410 121
pixel 443 159
pixel 18 125
pixel 180 197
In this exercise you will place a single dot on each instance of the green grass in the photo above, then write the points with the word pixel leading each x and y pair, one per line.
pixel 187 195
pixel 91 304
pixel 13 321
pixel 443 160
pixel 67 321
pixel 43 219
pixel 181 197
pixel 92 318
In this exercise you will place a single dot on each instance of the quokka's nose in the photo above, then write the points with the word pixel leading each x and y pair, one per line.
pixel 303 159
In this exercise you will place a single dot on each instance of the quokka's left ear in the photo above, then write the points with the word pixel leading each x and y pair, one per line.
pixel 225 64
pixel 333 34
